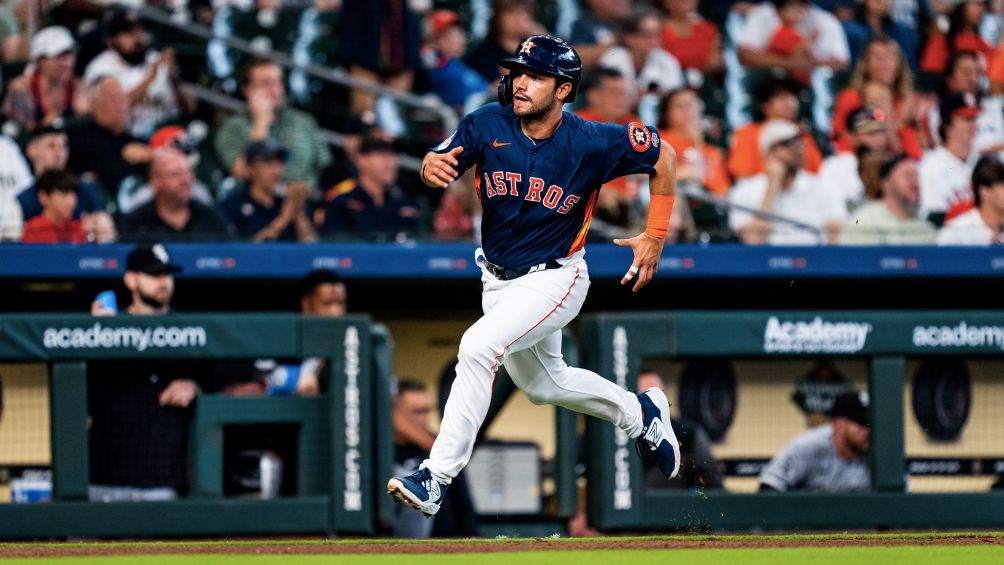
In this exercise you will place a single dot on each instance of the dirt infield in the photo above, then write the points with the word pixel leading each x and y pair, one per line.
pixel 342 547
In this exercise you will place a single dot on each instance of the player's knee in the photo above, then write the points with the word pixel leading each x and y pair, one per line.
pixel 540 396
pixel 473 350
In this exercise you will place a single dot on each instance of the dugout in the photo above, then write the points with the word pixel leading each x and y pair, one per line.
pixel 44 361
pixel 898 356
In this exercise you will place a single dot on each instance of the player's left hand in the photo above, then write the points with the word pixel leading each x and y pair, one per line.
pixel 647 251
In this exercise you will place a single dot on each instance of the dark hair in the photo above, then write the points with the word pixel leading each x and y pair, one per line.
pixel 410 385
pixel 56 180
pixel 55 128
pixel 987 172
pixel 500 7
pixel 632 22
pixel 318 277
pixel 594 78
pixel 774 85
pixel 664 103
pixel 253 63
pixel 778 4
pixel 956 24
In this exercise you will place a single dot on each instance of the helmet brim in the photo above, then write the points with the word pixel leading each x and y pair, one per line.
pixel 513 63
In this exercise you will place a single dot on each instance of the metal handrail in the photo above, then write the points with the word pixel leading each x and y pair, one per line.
pixel 694 190
pixel 431 103
pixel 232 104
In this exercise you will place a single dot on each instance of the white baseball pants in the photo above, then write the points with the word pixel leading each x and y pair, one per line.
pixel 521 328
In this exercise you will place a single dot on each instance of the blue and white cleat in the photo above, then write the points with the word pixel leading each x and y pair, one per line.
pixel 657 437
pixel 418 490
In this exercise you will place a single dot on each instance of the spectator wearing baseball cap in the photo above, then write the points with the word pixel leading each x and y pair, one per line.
pixel 785 189
pixel 47 91
pixel 257 210
pixel 778 99
pixel 172 214
pixel 139 410
pixel 946 170
pixel 449 76
pixel 984 223
pixel 371 203
pixel 828 458
pixel 870 130
pixel 357 128
pixel 892 220
pixel 150 78
pixel 135 191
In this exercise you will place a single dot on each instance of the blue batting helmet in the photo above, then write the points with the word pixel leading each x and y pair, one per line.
pixel 545 54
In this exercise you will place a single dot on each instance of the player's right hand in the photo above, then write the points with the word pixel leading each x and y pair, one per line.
pixel 440 168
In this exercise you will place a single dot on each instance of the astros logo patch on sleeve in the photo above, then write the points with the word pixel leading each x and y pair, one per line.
pixel 639 136
pixel 446 142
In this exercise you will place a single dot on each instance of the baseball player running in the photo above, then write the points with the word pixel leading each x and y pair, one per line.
pixel 539 171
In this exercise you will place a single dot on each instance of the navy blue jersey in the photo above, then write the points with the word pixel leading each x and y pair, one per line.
pixel 538 196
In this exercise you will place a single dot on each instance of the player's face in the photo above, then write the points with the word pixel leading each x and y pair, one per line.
pixel 327 300
pixel 533 94
pixel 155 291
pixel 855 435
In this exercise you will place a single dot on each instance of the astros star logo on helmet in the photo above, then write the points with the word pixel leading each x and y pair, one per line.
pixel 526 46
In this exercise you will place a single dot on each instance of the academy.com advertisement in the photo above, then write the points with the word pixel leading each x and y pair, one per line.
pixel 875 332
pixel 139 339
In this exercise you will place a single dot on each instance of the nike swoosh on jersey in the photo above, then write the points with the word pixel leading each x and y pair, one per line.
pixel 496 144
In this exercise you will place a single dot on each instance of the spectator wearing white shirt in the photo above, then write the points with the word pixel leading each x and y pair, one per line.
pixel 640 59
pixel 821 28
pixel 785 189
pixel 150 78
pixel 946 170
pixel 14 176
pixel 870 131
pixel 984 223
pixel 893 219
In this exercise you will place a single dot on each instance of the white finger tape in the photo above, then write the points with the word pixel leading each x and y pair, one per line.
pixel 633 270
pixel 628 276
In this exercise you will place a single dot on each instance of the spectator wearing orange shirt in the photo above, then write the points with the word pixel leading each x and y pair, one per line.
pixel 881 62
pixel 996 71
pixel 778 100
pixel 680 126
pixel 690 38
pixel 57 191
pixel 963 35
pixel 787 41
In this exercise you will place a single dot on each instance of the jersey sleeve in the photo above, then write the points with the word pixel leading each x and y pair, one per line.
pixel 788 469
pixel 631 150
pixel 464 136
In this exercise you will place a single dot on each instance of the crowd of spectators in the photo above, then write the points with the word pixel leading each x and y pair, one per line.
pixel 98 111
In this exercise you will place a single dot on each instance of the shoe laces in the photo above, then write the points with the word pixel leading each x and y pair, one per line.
pixel 424 478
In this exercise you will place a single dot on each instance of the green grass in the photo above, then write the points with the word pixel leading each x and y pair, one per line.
pixel 909 555
pixel 569 541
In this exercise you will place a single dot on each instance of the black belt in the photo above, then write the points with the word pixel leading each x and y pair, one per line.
pixel 504 274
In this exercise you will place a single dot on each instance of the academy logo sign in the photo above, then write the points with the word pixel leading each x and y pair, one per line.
pixel 960 335
pixel 816 336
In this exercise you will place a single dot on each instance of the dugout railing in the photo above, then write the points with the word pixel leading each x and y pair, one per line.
pixel 615 345
pixel 340 448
